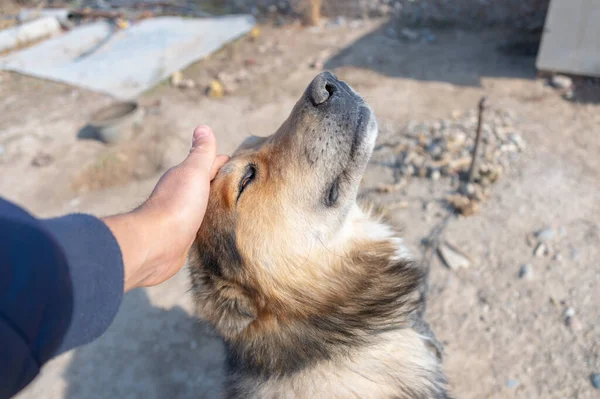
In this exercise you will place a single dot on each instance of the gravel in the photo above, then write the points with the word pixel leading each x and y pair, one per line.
pixel 526 272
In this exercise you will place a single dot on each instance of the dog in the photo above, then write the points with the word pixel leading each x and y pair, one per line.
pixel 314 295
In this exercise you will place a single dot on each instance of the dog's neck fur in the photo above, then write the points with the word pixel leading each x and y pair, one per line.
pixel 378 307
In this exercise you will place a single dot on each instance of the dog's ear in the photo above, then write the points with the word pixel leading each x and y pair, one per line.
pixel 233 310
pixel 250 142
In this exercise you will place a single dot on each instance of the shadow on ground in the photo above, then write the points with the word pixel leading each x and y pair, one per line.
pixel 443 55
pixel 148 352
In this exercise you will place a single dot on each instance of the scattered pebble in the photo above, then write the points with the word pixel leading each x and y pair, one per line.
pixel 541 250
pixel 443 149
pixel 561 82
pixel 41 160
pixel 569 312
pixel 409 34
pixel 544 235
pixel 513 383
pixel 453 257
pixel 179 81
pixel 215 89
pixel 595 379
pixel 526 272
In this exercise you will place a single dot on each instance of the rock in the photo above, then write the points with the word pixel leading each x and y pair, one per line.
pixel 595 379
pixel 254 33
pixel 463 204
pixel 569 312
pixel 41 160
pixel 215 89
pixel 176 79
pixel 409 34
pixel 541 250
pixel 453 257
pixel 513 383
pixel 561 82
pixel 526 272
pixel 435 174
pixel 544 235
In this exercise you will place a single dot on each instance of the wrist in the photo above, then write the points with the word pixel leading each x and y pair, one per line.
pixel 131 232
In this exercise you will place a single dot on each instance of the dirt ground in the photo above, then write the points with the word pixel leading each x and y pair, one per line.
pixel 505 337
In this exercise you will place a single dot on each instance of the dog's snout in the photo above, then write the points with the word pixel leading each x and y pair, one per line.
pixel 323 88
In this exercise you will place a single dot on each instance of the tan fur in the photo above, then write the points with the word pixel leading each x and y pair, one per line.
pixel 312 300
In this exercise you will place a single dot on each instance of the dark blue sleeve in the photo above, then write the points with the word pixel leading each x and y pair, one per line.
pixel 61 284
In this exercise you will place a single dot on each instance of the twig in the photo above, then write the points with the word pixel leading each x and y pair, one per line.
pixel 433 240
pixel 475 161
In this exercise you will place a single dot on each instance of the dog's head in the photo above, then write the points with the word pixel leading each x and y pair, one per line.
pixel 278 212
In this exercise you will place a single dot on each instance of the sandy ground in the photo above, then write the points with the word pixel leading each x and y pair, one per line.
pixel 505 337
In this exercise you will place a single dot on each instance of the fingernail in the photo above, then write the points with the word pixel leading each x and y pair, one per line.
pixel 200 132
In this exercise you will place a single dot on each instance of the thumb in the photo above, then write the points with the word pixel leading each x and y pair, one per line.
pixel 204 150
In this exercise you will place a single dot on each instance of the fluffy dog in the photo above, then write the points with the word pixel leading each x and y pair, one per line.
pixel 314 296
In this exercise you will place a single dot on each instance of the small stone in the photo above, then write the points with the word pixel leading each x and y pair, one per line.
pixel 544 235
pixel 561 82
pixel 540 250
pixel 74 203
pixel 526 272
pixel 513 383
pixel 215 89
pixel 409 34
pixel 176 79
pixel 41 160
pixel 453 257
pixel 595 379
pixel 569 312
pixel 435 174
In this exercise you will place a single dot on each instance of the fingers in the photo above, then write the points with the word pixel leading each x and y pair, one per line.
pixel 219 162
pixel 204 150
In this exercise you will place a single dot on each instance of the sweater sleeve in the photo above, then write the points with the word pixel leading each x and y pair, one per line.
pixel 61 284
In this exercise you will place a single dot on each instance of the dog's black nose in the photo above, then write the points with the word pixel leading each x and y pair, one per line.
pixel 323 88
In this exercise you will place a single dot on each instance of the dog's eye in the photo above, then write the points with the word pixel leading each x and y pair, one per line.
pixel 247 178
pixel 333 193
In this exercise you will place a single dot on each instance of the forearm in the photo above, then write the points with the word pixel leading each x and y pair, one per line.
pixel 61 284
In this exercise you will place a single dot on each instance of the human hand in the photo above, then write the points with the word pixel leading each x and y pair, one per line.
pixel 156 237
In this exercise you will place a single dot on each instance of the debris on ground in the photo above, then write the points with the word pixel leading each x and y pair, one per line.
pixel 526 272
pixel 595 379
pixel 409 34
pixel 179 81
pixel 541 250
pixel 215 89
pixel 544 235
pixel 453 257
pixel 513 383
pixel 41 160
pixel 561 82
pixel 443 149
